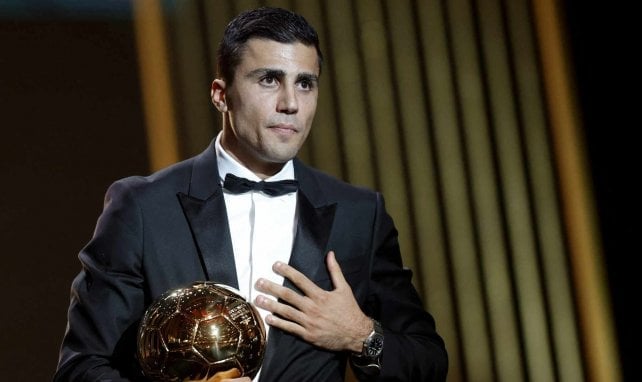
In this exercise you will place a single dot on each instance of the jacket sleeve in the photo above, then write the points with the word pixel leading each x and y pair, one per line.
pixel 413 350
pixel 107 297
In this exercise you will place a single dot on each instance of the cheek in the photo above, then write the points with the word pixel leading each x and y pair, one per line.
pixel 258 107
pixel 250 114
pixel 310 111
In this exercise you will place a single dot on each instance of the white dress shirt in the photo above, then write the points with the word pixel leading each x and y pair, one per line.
pixel 262 226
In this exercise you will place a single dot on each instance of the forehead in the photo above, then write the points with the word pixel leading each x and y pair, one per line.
pixel 288 57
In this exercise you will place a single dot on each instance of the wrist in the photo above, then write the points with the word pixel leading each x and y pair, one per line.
pixel 368 360
pixel 365 327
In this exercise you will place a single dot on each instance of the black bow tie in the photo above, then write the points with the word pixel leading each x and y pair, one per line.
pixel 237 185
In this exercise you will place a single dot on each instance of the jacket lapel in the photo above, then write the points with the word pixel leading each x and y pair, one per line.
pixel 313 230
pixel 204 208
pixel 308 256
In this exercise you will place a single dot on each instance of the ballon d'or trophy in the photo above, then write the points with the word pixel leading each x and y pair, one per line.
pixel 193 333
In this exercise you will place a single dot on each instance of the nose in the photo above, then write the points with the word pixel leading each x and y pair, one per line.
pixel 287 102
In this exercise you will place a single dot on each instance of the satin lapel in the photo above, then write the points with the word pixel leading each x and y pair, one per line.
pixel 205 211
pixel 308 256
pixel 309 249
pixel 208 222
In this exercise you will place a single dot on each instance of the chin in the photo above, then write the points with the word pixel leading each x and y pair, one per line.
pixel 281 155
pixel 281 159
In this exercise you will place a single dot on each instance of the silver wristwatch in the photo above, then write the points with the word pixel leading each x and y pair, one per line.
pixel 369 360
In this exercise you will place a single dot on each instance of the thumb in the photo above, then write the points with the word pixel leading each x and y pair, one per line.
pixel 335 271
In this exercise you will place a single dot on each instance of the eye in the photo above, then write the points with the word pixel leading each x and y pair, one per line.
pixel 268 80
pixel 306 84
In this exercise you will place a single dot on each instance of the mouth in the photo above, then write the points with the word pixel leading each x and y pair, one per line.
pixel 284 128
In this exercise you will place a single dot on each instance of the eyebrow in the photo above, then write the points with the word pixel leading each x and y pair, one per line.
pixel 308 77
pixel 280 74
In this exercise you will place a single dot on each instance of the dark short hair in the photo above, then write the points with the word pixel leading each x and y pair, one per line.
pixel 275 24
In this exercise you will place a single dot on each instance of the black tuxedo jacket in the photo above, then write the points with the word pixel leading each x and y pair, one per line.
pixel 170 229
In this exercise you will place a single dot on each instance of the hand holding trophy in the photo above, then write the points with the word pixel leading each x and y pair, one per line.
pixel 196 332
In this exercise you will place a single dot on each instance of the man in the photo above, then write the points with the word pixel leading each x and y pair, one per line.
pixel 322 261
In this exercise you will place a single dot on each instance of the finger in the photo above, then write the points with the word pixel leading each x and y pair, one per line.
pixel 226 375
pixel 283 310
pixel 297 278
pixel 231 373
pixel 338 280
pixel 280 292
pixel 284 317
pixel 285 325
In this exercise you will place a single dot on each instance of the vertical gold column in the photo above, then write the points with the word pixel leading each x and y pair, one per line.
pixel 352 108
pixel 501 309
pixel 586 258
pixel 162 139
pixel 324 139
pixel 513 180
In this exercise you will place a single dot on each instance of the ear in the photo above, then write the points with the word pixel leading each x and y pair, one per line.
pixel 218 95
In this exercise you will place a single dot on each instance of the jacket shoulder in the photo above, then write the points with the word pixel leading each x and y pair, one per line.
pixel 172 179
pixel 331 186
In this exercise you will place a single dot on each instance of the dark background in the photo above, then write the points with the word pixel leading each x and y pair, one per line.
pixel 602 39
pixel 71 122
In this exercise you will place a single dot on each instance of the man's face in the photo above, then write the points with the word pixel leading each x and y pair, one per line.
pixel 271 104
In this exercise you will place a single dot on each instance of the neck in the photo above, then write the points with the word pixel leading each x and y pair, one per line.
pixel 260 168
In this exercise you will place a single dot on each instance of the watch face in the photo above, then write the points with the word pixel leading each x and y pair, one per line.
pixel 374 347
